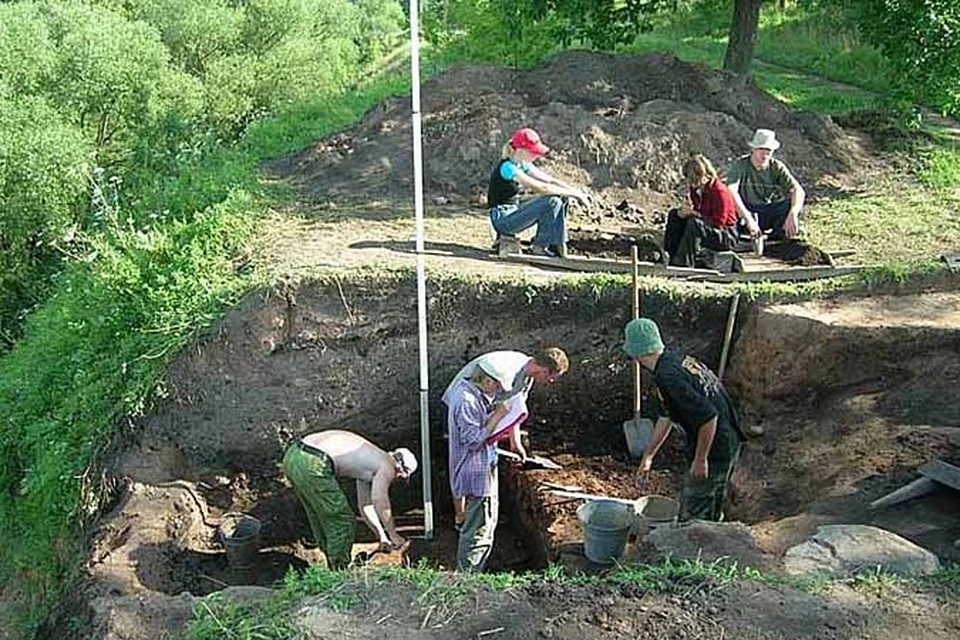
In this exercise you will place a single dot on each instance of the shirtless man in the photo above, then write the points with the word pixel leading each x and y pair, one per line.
pixel 313 465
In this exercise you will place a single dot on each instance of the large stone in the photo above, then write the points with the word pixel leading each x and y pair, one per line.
pixel 848 548
pixel 710 541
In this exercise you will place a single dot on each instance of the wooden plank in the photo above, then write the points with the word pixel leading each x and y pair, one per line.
pixel 786 274
pixel 917 488
pixel 589 496
pixel 611 266
pixel 790 274
pixel 942 472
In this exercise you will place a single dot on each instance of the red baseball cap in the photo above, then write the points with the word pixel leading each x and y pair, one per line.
pixel 530 140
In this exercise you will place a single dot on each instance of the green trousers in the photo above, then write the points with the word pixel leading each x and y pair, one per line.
pixel 331 520
pixel 703 499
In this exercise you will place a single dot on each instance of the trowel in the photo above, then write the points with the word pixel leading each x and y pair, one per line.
pixel 532 462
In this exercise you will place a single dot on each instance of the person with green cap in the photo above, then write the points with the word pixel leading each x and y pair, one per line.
pixel 689 394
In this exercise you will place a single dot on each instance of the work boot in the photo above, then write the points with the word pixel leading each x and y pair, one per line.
pixel 506 244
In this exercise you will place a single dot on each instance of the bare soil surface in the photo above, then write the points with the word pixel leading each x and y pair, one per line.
pixel 851 396
pixel 621 126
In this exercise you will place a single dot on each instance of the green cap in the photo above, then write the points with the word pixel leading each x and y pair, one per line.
pixel 641 336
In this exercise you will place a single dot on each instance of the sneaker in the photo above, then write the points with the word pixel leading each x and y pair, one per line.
pixel 546 252
pixel 559 249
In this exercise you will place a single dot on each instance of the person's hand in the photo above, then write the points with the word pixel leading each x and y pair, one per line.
pixel 699 468
pixel 394 544
pixel 753 228
pixel 646 463
pixel 790 226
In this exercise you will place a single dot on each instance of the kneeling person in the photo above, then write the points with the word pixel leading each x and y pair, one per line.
pixel 691 396
pixel 313 465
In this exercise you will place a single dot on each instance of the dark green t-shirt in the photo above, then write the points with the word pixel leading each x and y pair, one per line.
pixel 690 394
pixel 760 187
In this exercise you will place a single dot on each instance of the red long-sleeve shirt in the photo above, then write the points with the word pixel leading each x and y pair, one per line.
pixel 715 204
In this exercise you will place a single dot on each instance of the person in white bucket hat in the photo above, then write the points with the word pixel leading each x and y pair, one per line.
pixel 767 195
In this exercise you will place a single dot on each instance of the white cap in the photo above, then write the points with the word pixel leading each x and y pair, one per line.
pixel 407 460
pixel 764 139
pixel 499 370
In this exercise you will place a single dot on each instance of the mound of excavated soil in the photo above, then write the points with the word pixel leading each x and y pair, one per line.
pixel 621 125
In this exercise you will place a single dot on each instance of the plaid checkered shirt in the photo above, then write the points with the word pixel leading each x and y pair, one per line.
pixel 472 460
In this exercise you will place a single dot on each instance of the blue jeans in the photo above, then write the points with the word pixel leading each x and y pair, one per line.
pixel 770 217
pixel 549 213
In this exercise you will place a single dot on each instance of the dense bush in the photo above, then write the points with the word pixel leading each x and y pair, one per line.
pixel 138 87
pixel 43 168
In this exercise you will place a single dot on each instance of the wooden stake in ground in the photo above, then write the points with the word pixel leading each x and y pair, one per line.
pixel 636 314
pixel 727 335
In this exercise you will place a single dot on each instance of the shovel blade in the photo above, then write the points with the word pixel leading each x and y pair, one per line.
pixel 637 433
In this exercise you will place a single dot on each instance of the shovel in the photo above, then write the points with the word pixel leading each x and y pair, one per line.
pixel 639 430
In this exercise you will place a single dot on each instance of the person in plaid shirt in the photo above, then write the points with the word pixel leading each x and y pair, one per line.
pixel 473 464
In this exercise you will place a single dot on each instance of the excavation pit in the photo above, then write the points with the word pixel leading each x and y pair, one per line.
pixel 841 425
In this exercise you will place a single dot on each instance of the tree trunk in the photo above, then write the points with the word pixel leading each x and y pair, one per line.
pixel 743 36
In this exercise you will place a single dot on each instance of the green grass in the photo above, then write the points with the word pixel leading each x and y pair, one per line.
pixel 437 594
pixel 94 354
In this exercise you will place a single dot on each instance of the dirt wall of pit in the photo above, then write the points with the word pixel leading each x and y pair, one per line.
pixel 319 355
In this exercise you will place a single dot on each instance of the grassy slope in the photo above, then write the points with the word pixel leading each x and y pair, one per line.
pixel 94 354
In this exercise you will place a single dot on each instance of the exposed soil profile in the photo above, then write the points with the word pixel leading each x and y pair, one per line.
pixel 284 363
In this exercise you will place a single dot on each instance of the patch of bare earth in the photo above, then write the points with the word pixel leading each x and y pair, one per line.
pixel 619 125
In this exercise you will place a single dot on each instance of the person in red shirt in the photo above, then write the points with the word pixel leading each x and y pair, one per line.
pixel 707 220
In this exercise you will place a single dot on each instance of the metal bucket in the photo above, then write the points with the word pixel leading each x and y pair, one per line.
pixel 240 535
pixel 650 511
pixel 606 527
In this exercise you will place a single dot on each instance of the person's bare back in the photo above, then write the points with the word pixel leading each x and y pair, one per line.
pixel 353 456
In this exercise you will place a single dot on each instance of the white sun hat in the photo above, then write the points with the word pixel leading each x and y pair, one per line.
pixel 407 460
pixel 764 139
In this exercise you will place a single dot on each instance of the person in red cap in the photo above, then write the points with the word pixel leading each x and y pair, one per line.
pixel 513 176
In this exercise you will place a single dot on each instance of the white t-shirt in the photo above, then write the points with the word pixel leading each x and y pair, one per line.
pixel 506 367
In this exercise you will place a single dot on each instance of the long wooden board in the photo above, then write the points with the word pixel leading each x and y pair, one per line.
pixel 787 274
pixel 942 472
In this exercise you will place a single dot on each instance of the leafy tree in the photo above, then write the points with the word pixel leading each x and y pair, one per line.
pixel 28 56
pixel 743 36
pixel 921 38
pixel 43 169
pixel 112 75
pixel 382 22
pixel 194 32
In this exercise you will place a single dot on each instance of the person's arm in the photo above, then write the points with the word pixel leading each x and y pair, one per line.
pixel 797 197
pixel 473 425
pixel 499 411
pixel 705 436
pixel 516 443
pixel 742 212
pixel 538 181
pixel 380 497
pixel 660 432
pixel 369 512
